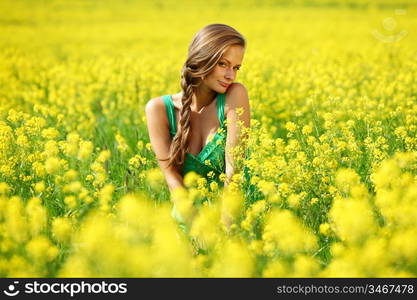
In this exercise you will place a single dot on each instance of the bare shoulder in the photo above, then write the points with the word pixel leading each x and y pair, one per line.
pixel 236 96
pixel 154 105
pixel 236 87
pixel 155 112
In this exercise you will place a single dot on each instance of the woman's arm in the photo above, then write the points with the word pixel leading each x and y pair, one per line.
pixel 158 128
pixel 237 100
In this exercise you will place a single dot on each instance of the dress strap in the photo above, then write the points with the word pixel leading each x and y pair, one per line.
pixel 169 106
pixel 221 100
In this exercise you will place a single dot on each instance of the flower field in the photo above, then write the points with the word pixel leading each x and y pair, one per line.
pixel 331 154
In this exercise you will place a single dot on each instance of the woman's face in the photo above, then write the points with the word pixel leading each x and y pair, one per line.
pixel 225 72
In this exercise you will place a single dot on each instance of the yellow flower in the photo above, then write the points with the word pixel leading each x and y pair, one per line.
pixel 70 146
pixel 85 150
pixel 14 116
pixel 41 250
pixel 103 156
pixel 401 132
pixel 314 201
pixel 70 175
pixel 39 187
pixel 191 179
pixel 38 168
pixel 353 219
pixel 307 129
pixel 155 177
pixel 233 260
pixel 37 215
pixel 207 162
pixel 350 123
pixel 62 229
pixel 89 177
pixel 305 266
pixel 105 196
pixel 284 189
pixel 275 269
pixel 52 165
pixel 232 203
pixel 4 188
pixel 121 143
pixel 294 200
pixel 287 232
pixel 214 186
pixel 50 133
pixel 223 177
pixel 23 141
pixel 266 187
pixel 73 137
pixel 51 148
pixel 201 182
pixel 325 228
pixel 291 127
pixel 346 179
pixel 139 145
pixel 70 201
pixel 136 161
pixel 183 203
pixel 73 187
pixel 239 111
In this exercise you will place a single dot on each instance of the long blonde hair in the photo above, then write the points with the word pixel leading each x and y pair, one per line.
pixel 204 52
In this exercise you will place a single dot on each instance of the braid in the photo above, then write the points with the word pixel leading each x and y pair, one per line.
pixel 179 145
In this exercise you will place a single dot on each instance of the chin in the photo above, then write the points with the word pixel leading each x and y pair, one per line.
pixel 222 89
pixel 219 90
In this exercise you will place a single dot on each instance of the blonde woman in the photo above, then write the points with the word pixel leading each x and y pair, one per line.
pixel 187 130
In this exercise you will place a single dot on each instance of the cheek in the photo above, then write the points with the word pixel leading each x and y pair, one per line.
pixel 217 72
pixel 214 75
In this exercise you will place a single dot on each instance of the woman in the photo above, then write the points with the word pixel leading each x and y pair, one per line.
pixel 187 130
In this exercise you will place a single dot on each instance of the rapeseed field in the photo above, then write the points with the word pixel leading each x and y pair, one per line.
pixel 330 181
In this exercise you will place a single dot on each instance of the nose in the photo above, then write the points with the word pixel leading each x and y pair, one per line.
pixel 230 74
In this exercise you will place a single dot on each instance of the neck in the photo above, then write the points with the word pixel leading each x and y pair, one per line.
pixel 202 97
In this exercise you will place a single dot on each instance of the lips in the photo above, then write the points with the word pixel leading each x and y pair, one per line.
pixel 224 84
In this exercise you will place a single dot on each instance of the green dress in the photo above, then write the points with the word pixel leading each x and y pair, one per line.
pixel 212 157
pixel 210 162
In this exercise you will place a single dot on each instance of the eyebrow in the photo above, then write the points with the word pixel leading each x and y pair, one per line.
pixel 229 61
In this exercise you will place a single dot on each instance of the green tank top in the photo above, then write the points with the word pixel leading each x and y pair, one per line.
pixel 211 159
pixel 210 162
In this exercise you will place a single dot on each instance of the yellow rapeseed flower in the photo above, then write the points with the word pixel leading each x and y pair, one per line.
pixel 103 156
pixel 50 133
pixel 62 229
pixel 85 150
pixel 39 187
pixel 4 188
pixel 291 127
pixel 52 165
pixel 41 250
pixel 287 232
